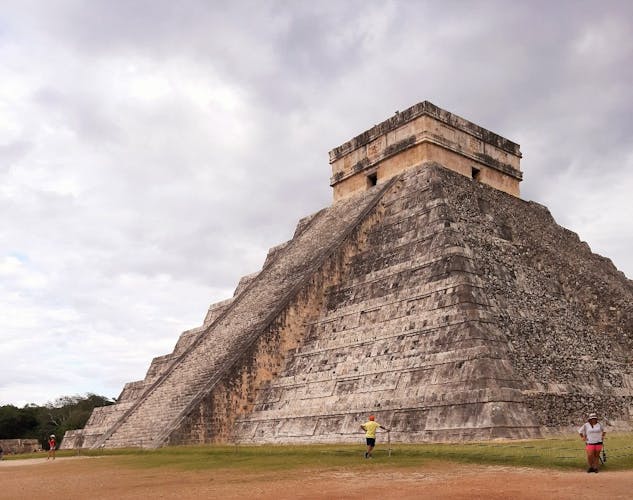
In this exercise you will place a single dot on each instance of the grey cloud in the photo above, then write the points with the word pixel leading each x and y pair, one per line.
pixel 172 199
pixel 12 152
pixel 81 112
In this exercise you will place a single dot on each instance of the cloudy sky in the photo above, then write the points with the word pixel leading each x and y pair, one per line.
pixel 152 151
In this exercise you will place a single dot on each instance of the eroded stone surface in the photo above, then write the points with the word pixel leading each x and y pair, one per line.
pixel 450 310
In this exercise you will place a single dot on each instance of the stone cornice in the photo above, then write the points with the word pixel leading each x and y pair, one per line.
pixel 415 111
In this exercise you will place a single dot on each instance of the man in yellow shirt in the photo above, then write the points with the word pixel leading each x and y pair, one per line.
pixel 370 428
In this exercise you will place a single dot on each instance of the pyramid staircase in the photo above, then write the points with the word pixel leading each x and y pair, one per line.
pixel 167 401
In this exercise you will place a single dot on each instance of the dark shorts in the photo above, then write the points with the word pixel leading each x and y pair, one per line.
pixel 371 441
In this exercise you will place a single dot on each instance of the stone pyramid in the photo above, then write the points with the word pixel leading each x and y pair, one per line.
pixel 428 294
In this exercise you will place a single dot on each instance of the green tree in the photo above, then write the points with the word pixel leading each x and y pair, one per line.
pixel 17 423
pixel 39 422
pixel 69 412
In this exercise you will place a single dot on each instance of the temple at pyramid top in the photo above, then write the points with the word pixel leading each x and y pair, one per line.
pixel 425 132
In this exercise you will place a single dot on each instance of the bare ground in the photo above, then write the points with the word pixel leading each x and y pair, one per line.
pixel 101 478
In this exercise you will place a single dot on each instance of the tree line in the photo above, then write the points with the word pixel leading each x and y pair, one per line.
pixel 39 422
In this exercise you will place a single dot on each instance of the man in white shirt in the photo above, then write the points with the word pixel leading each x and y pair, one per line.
pixel 592 433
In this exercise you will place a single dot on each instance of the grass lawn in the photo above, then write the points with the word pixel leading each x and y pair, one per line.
pixel 559 453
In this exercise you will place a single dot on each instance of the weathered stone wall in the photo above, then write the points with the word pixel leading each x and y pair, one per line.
pixel 214 312
pixel 20 445
pixel 567 313
pixel 421 133
pixel 72 440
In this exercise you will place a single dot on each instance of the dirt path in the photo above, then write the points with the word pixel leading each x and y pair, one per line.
pixel 101 478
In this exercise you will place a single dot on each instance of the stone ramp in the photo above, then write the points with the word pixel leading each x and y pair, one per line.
pixel 167 401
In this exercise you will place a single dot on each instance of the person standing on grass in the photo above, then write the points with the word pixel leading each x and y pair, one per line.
pixel 370 428
pixel 51 446
pixel 592 433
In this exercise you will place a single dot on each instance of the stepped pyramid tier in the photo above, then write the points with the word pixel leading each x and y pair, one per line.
pixel 446 306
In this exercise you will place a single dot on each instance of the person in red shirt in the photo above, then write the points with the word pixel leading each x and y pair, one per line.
pixel 51 447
